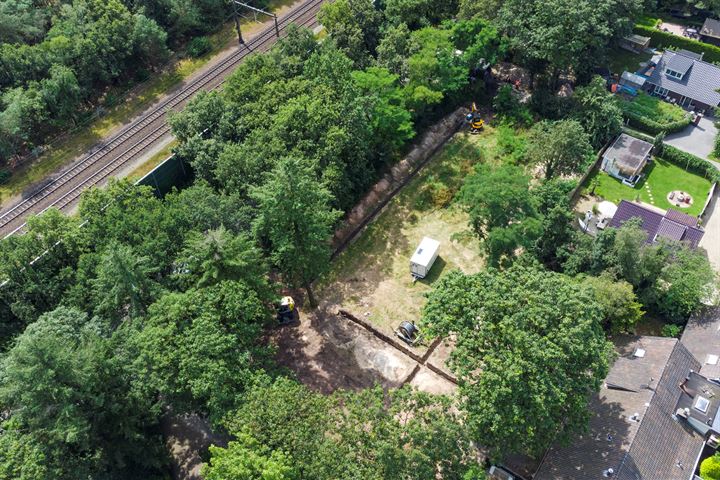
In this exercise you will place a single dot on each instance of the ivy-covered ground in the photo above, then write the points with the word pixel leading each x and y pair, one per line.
pixel 373 275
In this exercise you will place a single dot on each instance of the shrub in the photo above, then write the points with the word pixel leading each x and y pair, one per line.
pixel 717 146
pixel 691 163
pixel 509 109
pixel 653 115
pixel 710 468
pixel 711 53
pixel 199 46
pixel 510 145
pixel 649 125
pixel 4 175
pixel 651 22
pixel 671 330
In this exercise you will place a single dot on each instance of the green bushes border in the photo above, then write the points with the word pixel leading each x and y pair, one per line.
pixel 651 126
pixel 690 162
pixel 682 159
pixel 711 53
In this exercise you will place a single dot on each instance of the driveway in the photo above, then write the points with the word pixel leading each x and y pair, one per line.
pixel 711 239
pixel 698 140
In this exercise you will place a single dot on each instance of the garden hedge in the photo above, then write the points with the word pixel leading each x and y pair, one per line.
pixel 651 126
pixel 711 53
pixel 682 159
pixel 691 163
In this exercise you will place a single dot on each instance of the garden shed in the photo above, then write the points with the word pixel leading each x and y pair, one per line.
pixel 424 257
pixel 626 158
pixel 635 43
pixel 632 83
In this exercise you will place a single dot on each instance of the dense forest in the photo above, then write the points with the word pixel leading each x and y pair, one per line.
pixel 143 307
pixel 58 58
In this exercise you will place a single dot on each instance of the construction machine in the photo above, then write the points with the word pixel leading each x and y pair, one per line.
pixel 286 311
pixel 474 120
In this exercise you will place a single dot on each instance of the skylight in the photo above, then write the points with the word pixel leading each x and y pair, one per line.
pixel 702 404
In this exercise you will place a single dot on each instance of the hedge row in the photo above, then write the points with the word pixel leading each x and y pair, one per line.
pixel 691 162
pixel 651 126
pixel 711 53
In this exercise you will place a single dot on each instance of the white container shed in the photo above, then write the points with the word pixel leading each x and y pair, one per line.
pixel 424 257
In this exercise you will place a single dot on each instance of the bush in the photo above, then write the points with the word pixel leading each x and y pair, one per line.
pixel 653 115
pixel 4 175
pixel 648 125
pixel 509 109
pixel 717 146
pixel 651 22
pixel 510 145
pixel 671 330
pixel 691 163
pixel 711 53
pixel 710 468
pixel 199 46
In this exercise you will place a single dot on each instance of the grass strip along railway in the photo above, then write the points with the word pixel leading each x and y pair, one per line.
pixel 108 157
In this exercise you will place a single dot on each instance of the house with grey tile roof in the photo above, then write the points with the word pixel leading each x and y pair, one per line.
pixel 686 78
pixel 710 31
pixel 702 337
pixel 652 419
pixel 660 224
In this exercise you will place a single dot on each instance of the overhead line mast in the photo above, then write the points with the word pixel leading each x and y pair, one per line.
pixel 254 9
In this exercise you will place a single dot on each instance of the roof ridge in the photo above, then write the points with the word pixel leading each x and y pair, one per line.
pixel 652 397
pixel 677 52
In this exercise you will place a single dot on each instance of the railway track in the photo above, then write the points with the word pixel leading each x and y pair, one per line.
pixel 107 158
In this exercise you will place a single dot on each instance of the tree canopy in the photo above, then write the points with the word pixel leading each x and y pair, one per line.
pixel 529 353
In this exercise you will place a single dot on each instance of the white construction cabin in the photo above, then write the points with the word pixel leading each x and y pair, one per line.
pixel 424 257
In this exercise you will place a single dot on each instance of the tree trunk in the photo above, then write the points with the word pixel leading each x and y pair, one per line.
pixel 311 297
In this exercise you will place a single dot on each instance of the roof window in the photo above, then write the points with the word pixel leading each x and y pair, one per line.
pixel 702 404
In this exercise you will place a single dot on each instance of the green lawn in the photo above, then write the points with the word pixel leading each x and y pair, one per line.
pixel 654 109
pixel 662 177
pixel 621 60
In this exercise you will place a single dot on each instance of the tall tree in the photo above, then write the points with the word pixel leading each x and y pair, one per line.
pixel 688 280
pixel 296 220
pixel 559 36
pixel 434 70
pixel 524 381
pixel 67 385
pixel 496 197
pixel 245 459
pixel 123 287
pixel 217 256
pixel 561 147
pixel 391 120
pixel 199 349
pixel 370 434
pixel 621 310
pixel 419 13
pixel 598 112
pixel 355 26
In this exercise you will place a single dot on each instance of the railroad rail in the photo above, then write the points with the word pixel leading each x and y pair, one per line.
pixel 107 158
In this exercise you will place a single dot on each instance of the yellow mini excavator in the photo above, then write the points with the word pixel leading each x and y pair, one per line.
pixel 473 119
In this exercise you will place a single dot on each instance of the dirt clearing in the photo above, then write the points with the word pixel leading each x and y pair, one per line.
pixel 329 352
pixel 371 278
